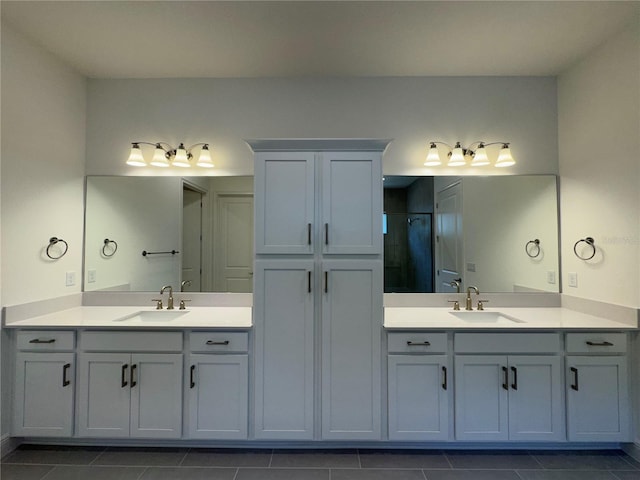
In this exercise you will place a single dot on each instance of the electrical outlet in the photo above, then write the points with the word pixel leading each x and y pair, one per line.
pixel 551 277
pixel 70 279
pixel 573 279
pixel 91 276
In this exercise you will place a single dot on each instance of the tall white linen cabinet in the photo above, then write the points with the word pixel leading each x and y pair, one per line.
pixel 318 289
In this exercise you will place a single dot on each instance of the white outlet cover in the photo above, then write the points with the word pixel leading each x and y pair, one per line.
pixel 91 276
pixel 551 277
pixel 573 279
pixel 70 279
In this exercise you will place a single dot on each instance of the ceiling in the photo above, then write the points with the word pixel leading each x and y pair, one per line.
pixel 157 39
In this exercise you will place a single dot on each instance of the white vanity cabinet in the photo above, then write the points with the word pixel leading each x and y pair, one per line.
pixel 597 387
pixel 44 384
pixel 511 396
pixel 218 385
pixel 135 390
pixel 341 217
pixel 418 386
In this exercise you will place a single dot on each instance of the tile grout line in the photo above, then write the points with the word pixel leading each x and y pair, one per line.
pixel 142 473
pixel 536 460
pixel 236 474
pixel 98 456
pixel 424 474
pixel 446 457
pixel 184 457
pixel 47 474
pixel 359 460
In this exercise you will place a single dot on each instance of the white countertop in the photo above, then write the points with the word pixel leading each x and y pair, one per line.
pixel 108 316
pixel 435 318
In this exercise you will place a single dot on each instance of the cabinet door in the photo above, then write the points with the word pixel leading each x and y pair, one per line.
pixel 104 394
pixel 351 203
pixel 481 397
pixel 535 398
pixel 285 202
pixel 418 397
pixel 284 353
pixel 43 394
pixel 351 338
pixel 218 396
pixel 156 395
pixel 597 399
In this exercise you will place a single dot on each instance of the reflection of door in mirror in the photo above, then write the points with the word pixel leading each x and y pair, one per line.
pixel 191 239
pixel 449 237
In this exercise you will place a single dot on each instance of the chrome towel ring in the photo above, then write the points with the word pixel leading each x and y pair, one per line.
pixel 533 248
pixel 589 241
pixel 113 249
pixel 54 241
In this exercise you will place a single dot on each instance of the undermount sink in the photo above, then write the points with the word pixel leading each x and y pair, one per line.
pixel 485 317
pixel 152 316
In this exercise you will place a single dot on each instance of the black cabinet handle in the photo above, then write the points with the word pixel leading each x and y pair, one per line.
pixel 133 375
pixel 65 369
pixel 192 383
pixel 326 282
pixel 123 378
pixel 505 383
pixel 326 234
pixel 514 385
pixel 308 234
pixel 418 344
pixel 599 344
pixel 574 370
pixel 214 342
pixel 444 377
pixel 308 282
pixel 39 340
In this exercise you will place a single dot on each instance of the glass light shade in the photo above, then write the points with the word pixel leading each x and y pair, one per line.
pixel 433 157
pixel 457 157
pixel 505 159
pixel 480 158
pixel 181 159
pixel 159 158
pixel 135 157
pixel 204 160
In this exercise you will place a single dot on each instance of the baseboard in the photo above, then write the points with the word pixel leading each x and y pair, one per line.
pixel 8 444
pixel 632 449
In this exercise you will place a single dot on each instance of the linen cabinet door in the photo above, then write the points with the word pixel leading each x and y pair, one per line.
pixel 351 203
pixel 597 399
pixel 418 397
pixel 156 395
pixel 535 398
pixel 481 397
pixel 218 396
pixel 351 338
pixel 105 393
pixel 43 394
pixel 284 351
pixel 285 202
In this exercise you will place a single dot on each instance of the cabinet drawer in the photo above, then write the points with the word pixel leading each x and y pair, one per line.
pixel 507 342
pixel 219 341
pixel 421 342
pixel 596 342
pixel 45 340
pixel 131 341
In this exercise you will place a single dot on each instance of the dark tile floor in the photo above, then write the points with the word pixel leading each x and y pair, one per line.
pixel 91 463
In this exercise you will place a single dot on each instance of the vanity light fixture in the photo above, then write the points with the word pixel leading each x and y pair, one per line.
pixel 459 155
pixel 165 155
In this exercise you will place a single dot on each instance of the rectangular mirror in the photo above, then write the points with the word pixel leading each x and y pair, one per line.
pixel 499 233
pixel 194 233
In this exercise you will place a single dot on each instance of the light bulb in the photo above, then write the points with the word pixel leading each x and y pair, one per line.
pixel 457 157
pixel 182 157
pixel 433 157
pixel 504 158
pixel 480 158
pixel 204 160
pixel 159 157
pixel 135 157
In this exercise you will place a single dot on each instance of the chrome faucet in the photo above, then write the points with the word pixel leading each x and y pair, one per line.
pixel 185 283
pixel 455 284
pixel 469 304
pixel 170 299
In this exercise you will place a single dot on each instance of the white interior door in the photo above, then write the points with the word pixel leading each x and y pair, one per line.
pixel 191 239
pixel 449 253
pixel 233 240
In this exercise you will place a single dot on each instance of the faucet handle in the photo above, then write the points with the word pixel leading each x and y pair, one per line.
pixel 456 304
pixel 182 305
pixel 158 303
pixel 481 304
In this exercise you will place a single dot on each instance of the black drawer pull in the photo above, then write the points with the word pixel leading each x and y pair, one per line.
pixel 192 383
pixel 599 344
pixel 123 377
pixel 505 384
pixel 326 234
pixel 308 282
pixel 133 375
pixel 65 369
pixel 39 340
pixel 444 377
pixel 308 234
pixel 418 344
pixel 214 342
pixel 514 385
pixel 574 370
